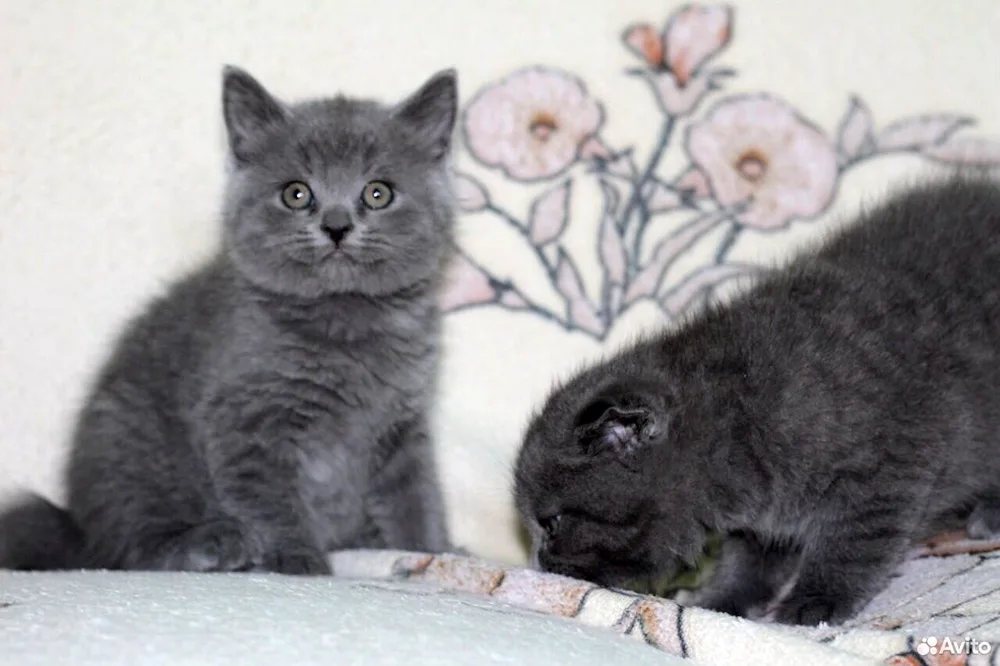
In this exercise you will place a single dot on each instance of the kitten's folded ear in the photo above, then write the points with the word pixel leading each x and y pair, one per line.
pixel 429 114
pixel 623 426
pixel 249 110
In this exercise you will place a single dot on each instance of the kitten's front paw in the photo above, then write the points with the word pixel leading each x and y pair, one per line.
pixel 719 603
pixel 218 546
pixel 984 521
pixel 301 561
pixel 810 610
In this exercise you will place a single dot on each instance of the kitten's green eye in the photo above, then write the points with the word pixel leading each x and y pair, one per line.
pixel 376 195
pixel 297 196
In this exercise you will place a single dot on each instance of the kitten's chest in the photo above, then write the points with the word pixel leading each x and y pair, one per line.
pixel 362 389
pixel 324 399
pixel 368 394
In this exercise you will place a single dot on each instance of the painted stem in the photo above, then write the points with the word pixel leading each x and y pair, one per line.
pixel 636 199
pixel 526 234
pixel 725 245
pixel 550 271
pixel 530 305
pixel 728 241
pixel 649 280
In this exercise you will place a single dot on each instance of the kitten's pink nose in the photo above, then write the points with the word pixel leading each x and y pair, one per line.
pixel 336 231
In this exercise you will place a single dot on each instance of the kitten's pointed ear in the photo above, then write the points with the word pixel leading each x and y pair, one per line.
pixel 621 427
pixel 429 114
pixel 249 110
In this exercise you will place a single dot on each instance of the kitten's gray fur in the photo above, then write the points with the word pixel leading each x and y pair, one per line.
pixel 274 405
pixel 843 409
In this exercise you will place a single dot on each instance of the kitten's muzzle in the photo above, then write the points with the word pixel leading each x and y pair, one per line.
pixel 565 566
pixel 592 568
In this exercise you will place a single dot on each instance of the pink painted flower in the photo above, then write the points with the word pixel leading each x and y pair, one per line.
pixel 761 156
pixel 676 99
pixel 694 34
pixel 675 57
pixel 533 123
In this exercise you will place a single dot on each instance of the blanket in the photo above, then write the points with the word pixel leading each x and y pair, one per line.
pixel 943 609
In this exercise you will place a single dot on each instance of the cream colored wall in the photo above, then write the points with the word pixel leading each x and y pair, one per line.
pixel 111 166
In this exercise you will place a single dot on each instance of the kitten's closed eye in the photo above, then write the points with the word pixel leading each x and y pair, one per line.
pixel 550 525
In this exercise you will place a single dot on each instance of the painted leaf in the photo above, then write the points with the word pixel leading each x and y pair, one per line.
pixel 967 151
pixel 513 299
pixel 660 197
pixel 693 35
pixel 549 214
pixel 644 41
pixel 695 181
pixel 678 299
pixel 621 165
pixel 594 147
pixel 920 132
pixel 611 250
pixel 648 281
pixel 612 197
pixel 468 284
pixel 855 136
pixel 470 193
pixel 582 312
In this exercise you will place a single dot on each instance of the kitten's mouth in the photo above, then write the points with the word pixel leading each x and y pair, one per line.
pixel 329 255
pixel 356 259
pixel 336 253
pixel 319 257
pixel 602 577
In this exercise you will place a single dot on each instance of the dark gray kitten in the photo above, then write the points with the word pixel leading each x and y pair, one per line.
pixel 274 405
pixel 845 407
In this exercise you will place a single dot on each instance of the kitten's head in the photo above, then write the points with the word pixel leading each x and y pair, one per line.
pixel 597 478
pixel 338 195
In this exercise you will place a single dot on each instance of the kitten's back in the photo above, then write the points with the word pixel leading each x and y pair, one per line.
pixel 942 228
pixel 917 274
pixel 893 326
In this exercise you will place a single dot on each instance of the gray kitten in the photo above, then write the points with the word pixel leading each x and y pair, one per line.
pixel 274 405
pixel 843 409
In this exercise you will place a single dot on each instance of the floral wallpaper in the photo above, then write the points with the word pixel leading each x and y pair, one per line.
pixel 753 161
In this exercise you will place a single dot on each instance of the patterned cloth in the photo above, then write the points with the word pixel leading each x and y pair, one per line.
pixel 940 611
